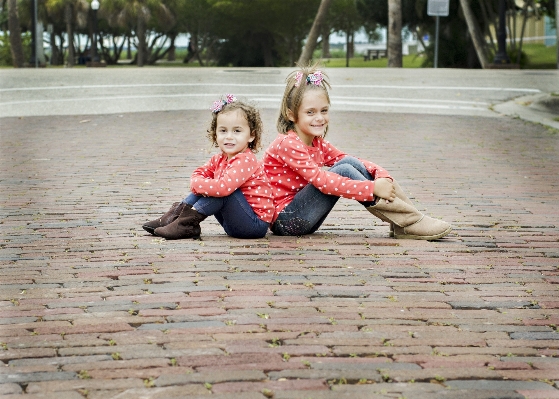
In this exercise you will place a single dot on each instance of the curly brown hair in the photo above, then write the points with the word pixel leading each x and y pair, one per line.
pixel 252 116
pixel 293 96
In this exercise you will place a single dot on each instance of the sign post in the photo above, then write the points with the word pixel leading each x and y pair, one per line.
pixel 437 8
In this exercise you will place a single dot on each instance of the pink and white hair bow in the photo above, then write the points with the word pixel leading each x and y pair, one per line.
pixel 218 105
pixel 312 78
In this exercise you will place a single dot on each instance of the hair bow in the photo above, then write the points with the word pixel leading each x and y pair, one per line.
pixel 218 105
pixel 312 78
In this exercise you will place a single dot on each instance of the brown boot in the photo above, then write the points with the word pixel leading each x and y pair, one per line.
pixel 167 218
pixel 408 222
pixel 187 225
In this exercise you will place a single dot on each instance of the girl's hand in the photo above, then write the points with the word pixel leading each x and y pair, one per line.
pixel 384 189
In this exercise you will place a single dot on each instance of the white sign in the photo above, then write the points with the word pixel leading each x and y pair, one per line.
pixel 437 8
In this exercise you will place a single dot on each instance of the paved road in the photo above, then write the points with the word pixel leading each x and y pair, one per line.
pixel 100 91
pixel 91 306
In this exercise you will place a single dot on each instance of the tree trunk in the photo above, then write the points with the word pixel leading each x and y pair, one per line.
pixel 524 19
pixel 267 43
pixel 68 13
pixel 128 48
pixel 53 49
pixel 557 29
pixel 394 45
pixel 325 33
pixel 16 45
pixel 306 55
pixel 473 29
pixel 347 48
pixel 171 56
pixel 141 32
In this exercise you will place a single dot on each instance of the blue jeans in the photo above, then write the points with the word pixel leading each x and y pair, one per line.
pixel 306 213
pixel 233 213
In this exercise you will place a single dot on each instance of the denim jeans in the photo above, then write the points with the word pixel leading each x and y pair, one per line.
pixel 233 213
pixel 306 213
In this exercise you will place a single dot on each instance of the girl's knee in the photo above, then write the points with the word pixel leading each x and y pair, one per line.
pixel 345 170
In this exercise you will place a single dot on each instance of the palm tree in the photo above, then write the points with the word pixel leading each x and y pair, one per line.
pixel 394 45
pixel 68 18
pixel 74 12
pixel 321 15
pixel 16 45
pixel 137 15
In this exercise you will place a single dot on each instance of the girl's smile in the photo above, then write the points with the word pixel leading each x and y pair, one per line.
pixel 233 132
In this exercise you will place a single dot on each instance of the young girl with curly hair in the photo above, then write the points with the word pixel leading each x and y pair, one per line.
pixel 232 185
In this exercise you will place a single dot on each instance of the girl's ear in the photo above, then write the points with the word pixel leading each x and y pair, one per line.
pixel 252 137
pixel 290 116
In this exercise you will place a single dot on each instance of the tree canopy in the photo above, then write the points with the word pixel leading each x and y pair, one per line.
pixel 256 32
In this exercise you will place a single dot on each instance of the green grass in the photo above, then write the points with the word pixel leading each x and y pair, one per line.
pixel 409 61
pixel 540 57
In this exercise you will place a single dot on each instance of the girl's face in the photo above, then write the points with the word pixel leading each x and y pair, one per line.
pixel 312 117
pixel 233 133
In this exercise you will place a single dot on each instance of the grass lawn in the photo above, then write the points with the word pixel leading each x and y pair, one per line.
pixel 409 61
pixel 540 57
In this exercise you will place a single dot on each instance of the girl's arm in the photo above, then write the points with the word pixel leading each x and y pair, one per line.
pixel 207 170
pixel 294 155
pixel 235 173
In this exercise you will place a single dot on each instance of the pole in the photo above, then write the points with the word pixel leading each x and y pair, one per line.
pixel 94 41
pixel 437 43
pixel 33 10
pixel 37 39
pixel 502 57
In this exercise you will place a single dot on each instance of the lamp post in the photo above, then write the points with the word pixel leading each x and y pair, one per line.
pixel 502 57
pixel 94 7
pixel 34 56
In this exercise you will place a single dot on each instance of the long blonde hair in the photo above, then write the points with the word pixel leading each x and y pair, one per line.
pixel 294 92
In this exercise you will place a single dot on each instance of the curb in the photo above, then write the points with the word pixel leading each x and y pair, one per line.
pixel 539 108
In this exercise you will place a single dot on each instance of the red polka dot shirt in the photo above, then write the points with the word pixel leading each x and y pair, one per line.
pixel 220 177
pixel 290 165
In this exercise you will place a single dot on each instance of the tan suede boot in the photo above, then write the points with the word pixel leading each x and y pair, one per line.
pixel 187 225
pixel 400 194
pixel 167 218
pixel 408 222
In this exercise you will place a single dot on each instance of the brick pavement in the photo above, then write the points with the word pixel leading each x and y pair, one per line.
pixel 91 306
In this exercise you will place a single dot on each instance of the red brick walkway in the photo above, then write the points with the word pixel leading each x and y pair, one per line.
pixel 91 306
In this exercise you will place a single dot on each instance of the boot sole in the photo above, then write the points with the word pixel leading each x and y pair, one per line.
pixel 199 238
pixel 427 238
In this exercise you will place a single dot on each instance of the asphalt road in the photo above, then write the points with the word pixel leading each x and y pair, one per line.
pixel 31 92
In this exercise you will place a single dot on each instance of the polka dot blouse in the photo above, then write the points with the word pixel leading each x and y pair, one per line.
pixel 220 177
pixel 290 165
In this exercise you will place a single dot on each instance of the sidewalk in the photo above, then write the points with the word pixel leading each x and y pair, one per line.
pixel 93 307
pixel 539 108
